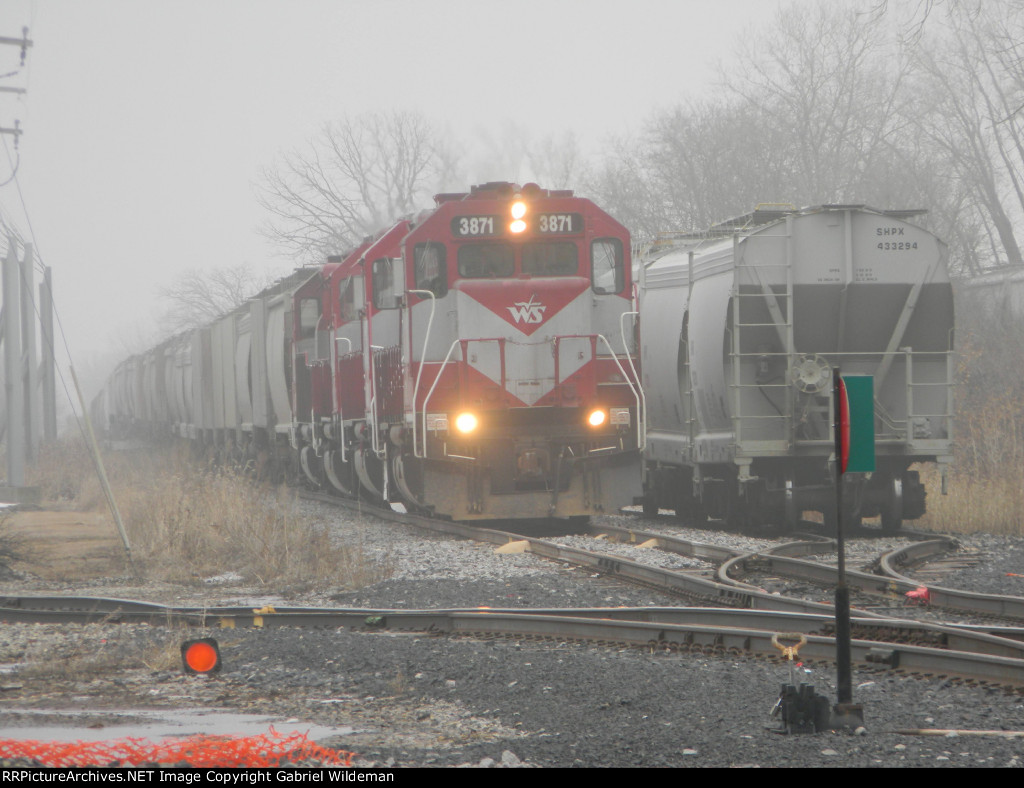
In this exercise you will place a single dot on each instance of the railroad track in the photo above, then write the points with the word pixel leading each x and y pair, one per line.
pixel 888 582
pixel 891 644
pixel 731 616
pixel 725 590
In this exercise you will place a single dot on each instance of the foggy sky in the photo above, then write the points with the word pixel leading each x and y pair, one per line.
pixel 146 123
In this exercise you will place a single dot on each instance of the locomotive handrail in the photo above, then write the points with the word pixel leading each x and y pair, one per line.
pixel 419 372
pixel 334 392
pixel 437 379
pixel 641 418
pixel 634 388
pixel 374 442
pixel 641 433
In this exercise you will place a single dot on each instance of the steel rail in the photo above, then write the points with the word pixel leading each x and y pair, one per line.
pixel 706 590
pixel 997 605
pixel 739 632
pixel 83 610
pixel 780 562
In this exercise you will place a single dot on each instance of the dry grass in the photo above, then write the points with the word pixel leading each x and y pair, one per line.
pixel 974 505
pixel 110 650
pixel 13 547
pixel 986 482
pixel 187 521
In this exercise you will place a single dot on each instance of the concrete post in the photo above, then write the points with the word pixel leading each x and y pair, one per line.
pixel 48 367
pixel 29 365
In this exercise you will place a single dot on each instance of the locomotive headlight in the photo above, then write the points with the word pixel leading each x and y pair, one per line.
pixel 518 211
pixel 596 417
pixel 466 423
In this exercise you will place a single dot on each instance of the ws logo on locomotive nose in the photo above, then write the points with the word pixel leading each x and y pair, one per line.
pixel 527 311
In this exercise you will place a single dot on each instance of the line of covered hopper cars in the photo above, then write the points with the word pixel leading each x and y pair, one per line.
pixel 503 356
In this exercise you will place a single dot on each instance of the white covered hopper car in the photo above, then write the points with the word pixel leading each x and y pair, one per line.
pixel 741 328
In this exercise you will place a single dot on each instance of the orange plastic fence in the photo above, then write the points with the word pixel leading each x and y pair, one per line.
pixel 266 750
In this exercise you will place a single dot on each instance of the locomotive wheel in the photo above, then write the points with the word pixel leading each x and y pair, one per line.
pixel 371 473
pixel 339 473
pixel 892 510
pixel 407 475
pixel 311 467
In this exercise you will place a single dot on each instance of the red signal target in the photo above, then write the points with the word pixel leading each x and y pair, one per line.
pixel 200 656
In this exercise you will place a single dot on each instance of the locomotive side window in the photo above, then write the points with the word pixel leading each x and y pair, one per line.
pixel 387 283
pixel 554 259
pixel 607 270
pixel 430 268
pixel 486 261
pixel 309 317
pixel 347 303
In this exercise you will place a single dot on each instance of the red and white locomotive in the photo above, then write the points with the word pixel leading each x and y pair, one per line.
pixel 476 361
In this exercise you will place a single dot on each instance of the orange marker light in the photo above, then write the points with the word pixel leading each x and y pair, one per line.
pixel 200 656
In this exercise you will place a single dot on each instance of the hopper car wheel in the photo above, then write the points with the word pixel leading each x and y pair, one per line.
pixel 650 507
pixel 892 510
pixel 738 514
pixel 687 508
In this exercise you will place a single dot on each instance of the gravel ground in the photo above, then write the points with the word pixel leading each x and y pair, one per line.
pixel 410 700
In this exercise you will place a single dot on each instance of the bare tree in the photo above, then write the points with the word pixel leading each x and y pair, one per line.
pixel 623 185
pixel 972 79
pixel 810 114
pixel 358 175
pixel 826 84
pixel 556 160
pixel 199 297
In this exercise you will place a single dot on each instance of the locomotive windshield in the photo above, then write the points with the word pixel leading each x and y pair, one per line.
pixel 550 259
pixel 497 260
pixel 486 261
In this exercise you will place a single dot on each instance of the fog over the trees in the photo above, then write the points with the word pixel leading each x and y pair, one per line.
pixel 176 145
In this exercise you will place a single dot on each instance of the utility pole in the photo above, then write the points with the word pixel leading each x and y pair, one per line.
pixel 24 43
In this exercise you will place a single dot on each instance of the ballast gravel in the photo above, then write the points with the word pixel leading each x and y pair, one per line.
pixel 405 699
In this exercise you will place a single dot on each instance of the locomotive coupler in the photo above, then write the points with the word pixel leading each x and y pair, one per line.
pixel 799 707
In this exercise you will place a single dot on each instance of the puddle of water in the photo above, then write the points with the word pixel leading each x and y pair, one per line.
pixel 154 724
